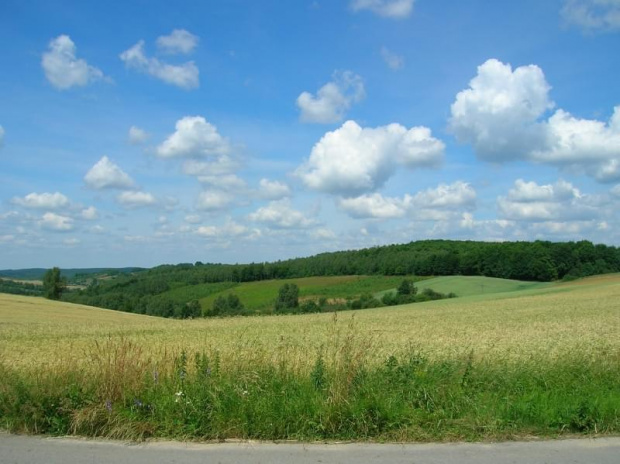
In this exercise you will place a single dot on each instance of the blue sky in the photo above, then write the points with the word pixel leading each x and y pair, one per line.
pixel 141 133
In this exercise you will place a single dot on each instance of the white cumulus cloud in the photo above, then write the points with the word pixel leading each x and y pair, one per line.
pixel 565 230
pixel 90 213
pixel 498 114
pixel 273 189
pixel 434 203
pixel 332 100
pixel 608 171
pixel 179 41
pixel 352 160
pixel 529 201
pixel 63 69
pixel 397 9
pixel 449 196
pixel 194 138
pixel 230 229
pixel 105 174
pixel 135 199
pixel 373 206
pixel 487 229
pixel 137 136
pixel 281 215
pixel 56 222
pixel 47 201
pixel 592 15
pixel 185 76
pixel 527 192
pixel 502 115
pixel 591 144
pixel 214 200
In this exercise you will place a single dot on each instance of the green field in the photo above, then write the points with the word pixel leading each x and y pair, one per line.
pixel 473 285
pixel 544 361
pixel 198 292
pixel 260 296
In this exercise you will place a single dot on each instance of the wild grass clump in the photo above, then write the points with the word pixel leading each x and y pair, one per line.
pixel 342 395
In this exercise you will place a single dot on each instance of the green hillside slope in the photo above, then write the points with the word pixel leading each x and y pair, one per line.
pixel 473 285
pixel 260 296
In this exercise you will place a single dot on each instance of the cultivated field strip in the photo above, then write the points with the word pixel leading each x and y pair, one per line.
pixel 546 323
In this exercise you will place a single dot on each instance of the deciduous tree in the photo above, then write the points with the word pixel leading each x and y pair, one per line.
pixel 53 284
pixel 288 298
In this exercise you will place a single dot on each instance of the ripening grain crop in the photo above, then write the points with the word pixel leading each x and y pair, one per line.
pixel 541 361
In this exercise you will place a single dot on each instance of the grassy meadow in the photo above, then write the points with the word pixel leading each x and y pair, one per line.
pixel 472 285
pixel 543 360
pixel 260 296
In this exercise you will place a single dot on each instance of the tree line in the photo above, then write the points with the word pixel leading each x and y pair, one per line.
pixel 20 288
pixel 534 261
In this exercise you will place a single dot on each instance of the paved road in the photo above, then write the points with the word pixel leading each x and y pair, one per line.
pixel 38 450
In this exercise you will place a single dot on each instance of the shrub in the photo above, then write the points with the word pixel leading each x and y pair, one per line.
pixel 227 306
pixel 288 298
pixel 365 301
pixel 389 299
pixel 309 306
pixel 189 310
pixel 407 288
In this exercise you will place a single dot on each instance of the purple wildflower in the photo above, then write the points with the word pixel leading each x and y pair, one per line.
pixel 108 405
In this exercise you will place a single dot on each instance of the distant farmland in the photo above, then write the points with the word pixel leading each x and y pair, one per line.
pixel 36 274
pixel 474 285
pixel 260 296
pixel 518 323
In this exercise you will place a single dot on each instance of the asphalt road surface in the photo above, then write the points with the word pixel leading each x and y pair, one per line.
pixel 39 450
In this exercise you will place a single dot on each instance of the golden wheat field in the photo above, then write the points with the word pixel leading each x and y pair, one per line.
pixel 581 317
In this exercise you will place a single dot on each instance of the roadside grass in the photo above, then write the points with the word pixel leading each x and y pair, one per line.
pixel 543 362
pixel 408 398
